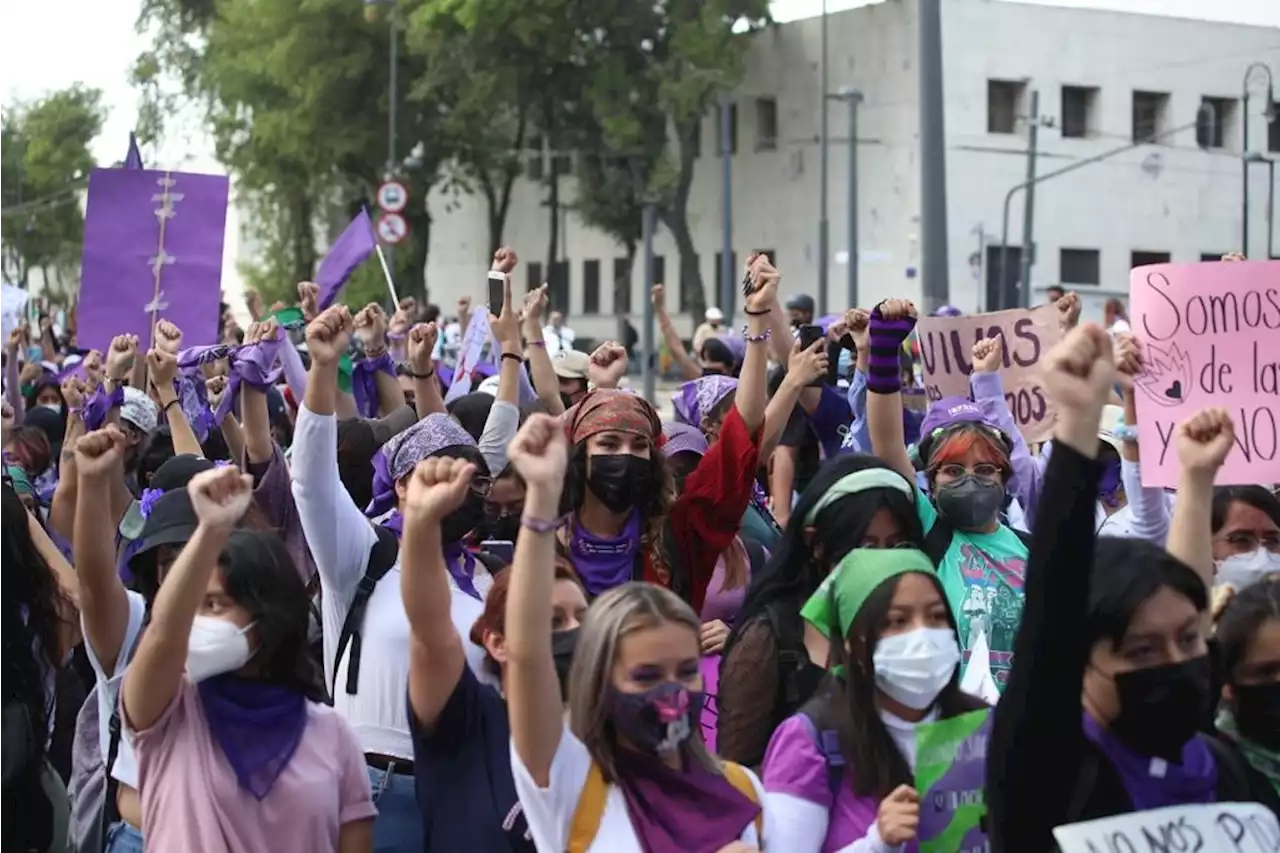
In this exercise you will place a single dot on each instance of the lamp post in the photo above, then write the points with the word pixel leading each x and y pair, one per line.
pixel 371 8
pixel 824 248
pixel 852 97
pixel 1270 162
pixel 1270 113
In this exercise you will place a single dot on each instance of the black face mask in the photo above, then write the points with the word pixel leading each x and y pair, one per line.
pixel 562 645
pixel 504 528
pixel 1162 707
pixel 463 520
pixel 1257 713
pixel 621 481
pixel 969 502
pixel 713 371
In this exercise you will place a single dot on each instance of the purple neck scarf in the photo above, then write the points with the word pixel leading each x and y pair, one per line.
pixel 1193 780
pixel 364 382
pixel 1109 485
pixel 604 563
pixel 458 560
pixel 258 727
pixel 674 811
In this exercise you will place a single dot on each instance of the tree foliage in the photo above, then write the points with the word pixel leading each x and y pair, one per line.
pixel 46 163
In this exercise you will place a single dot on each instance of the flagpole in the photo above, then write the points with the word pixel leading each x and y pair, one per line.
pixel 386 271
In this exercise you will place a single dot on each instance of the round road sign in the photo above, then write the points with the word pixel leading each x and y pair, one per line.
pixel 392 197
pixel 392 228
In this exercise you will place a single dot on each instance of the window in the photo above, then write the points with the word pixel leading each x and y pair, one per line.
pixel 533 276
pixel 622 285
pixel 1212 121
pixel 659 271
pixel 561 160
pixel 766 124
pixel 1273 134
pixel 558 287
pixel 1079 266
pixel 1079 105
pixel 1149 114
pixel 1138 258
pixel 533 166
pixel 733 130
pixel 686 284
pixel 1004 103
pixel 591 287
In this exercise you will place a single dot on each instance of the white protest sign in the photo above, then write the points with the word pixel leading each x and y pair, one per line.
pixel 14 300
pixel 1211 827
pixel 473 341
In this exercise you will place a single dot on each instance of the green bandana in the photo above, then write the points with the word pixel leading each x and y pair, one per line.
pixel 1264 760
pixel 294 315
pixel 21 482
pixel 853 580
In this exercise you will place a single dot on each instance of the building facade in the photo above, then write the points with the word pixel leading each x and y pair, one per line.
pixel 1103 80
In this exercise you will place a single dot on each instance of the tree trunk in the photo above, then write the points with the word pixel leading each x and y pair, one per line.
pixel 498 200
pixel 302 238
pixel 553 202
pixel 676 217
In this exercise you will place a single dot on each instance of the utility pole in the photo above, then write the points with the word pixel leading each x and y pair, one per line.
pixel 933 159
pixel 1034 122
pixel 393 96
pixel 852 97
pixel 648 226
pixel 726 212
pixel 824 246
pixel 1270 114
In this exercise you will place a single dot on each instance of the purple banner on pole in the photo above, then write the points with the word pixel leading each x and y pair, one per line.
pixel 152 250
pixel 133 157
pixel 354 244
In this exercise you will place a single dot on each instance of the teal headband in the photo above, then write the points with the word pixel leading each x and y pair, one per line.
pixel 860 481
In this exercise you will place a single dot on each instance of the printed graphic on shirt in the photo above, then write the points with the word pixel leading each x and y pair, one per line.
pixel 992 603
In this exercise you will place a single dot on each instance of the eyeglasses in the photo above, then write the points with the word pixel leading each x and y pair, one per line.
pixel 1246 541
pixel 481 485
pixel 983 471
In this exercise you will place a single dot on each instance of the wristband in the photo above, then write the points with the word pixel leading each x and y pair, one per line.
pixel 1124 432
pixel 514 357
pixel 540 342
pixel 429 374
pixel 751 313
pixel 540 525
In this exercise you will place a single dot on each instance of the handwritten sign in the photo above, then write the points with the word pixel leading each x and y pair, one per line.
pixel 473 342
pixel 1211 337
pixel 1217 827
pixel 951 762
pixel 946 345
pixel 710 718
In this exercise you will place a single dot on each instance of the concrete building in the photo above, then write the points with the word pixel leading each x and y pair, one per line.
pixel 1103 78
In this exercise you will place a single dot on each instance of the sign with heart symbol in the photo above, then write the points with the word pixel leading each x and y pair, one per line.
pixel 1210 336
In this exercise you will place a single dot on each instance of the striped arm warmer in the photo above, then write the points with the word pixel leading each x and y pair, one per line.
pixel 884 344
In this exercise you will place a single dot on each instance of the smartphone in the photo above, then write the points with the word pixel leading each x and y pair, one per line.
pixel 809 334
pixel 497 286
pixel 501 548
pixel 748 287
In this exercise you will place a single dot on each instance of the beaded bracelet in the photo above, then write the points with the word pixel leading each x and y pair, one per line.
pixel 1124 432
pixel 541 525
pixel 755 339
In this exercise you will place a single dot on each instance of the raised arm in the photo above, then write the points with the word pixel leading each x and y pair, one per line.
pixel 540 455
pixel 1038 720
pixel 104 605
pixel 62 511
pixel 220 497
pixel 545 382
pixel 803 367
pixel 689 368
pixel 752 393
pixel 437 487
pixel 1148 507
pixel 890 324
pixel 1204 440
pixel 422 370
pixel 988 393
pixel 162 368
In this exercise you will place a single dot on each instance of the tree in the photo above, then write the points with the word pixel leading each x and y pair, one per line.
pixel 296 96
pixel 46 164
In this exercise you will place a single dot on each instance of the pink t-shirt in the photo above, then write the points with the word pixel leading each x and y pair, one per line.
pixel 191 800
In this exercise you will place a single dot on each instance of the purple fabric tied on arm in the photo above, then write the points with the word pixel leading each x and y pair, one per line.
pixel 353 245
pixel 252 365
pixel 699 396
pixel 402 453
pixel 195 404
pixel 364 382
pixel 99 404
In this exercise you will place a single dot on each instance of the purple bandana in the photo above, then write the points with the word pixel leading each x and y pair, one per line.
pixel 364 382
pixel 1194 780
pixel 258 726
pixel 458 560
pixel 252 365
pixel 699 396
pixel 99 404
pixel 1109 484
pixel 605 563
pixel 402 453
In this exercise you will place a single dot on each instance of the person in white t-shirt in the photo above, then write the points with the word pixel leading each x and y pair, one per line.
pixel 625 772
pixel 1115 318
pixel 557 335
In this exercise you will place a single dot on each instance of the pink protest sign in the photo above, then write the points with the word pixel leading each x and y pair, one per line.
pixel 946 345
pixel 1211 337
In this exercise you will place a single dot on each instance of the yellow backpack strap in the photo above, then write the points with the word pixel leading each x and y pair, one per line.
pixel 589 811
pixel 741 780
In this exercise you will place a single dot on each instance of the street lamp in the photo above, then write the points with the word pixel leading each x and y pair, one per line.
pixel 371 8
pixel 852 97
pixel 1259 157
pixel 1270 114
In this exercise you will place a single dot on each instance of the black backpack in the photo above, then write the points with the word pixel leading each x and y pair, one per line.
pixel 28 814
pixel 382 557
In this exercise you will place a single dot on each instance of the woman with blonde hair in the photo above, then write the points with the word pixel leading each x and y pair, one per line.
pixel 626 771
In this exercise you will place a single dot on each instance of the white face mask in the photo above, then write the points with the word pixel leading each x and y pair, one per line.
pixel 53 407
pixel 216 646
pixel 1241 570
pixel 912 668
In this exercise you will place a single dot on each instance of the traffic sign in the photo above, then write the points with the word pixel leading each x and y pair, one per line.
pixel 392 197
pixel 392 228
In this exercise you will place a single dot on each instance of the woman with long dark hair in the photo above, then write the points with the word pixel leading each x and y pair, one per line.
pixel 841 772
pixel 236 750
pixel 772 664
pixel 40 628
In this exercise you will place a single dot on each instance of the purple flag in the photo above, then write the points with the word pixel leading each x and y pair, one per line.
pixel 152 250
pixel 353 245
pixel 133 159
